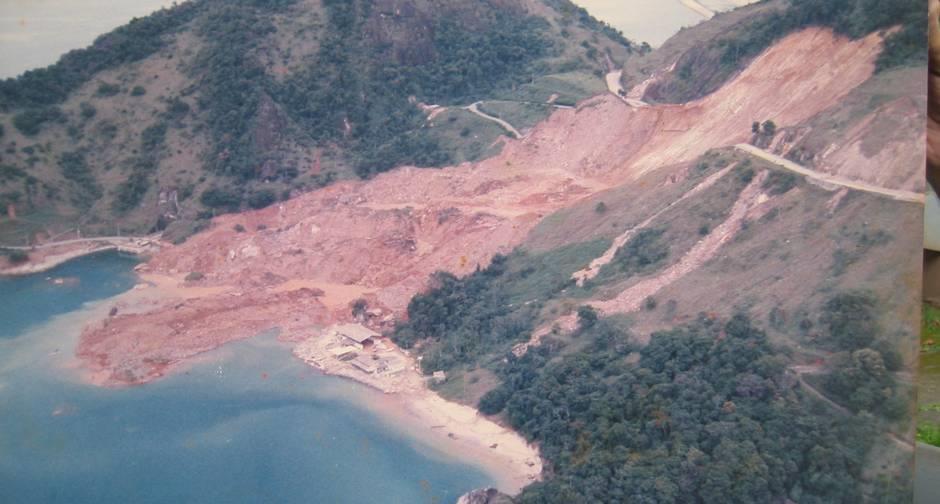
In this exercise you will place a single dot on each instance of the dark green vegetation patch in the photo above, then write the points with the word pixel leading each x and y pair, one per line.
pixel 707 411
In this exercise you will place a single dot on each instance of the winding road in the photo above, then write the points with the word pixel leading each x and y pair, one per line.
pixel 897 194
pixel 474 108
pixel 799 371
pixel 613 85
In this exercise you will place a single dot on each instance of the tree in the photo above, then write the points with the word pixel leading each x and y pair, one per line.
pixel 600 207
pixel 587 317
pixel 17 256
pixel 359 307
pixel 755 127
pixel 770 128
pixel 261 198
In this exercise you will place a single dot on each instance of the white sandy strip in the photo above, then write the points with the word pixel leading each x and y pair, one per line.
pixel 631 299
pixel 458 430
pixel 506 454
pixel 594 268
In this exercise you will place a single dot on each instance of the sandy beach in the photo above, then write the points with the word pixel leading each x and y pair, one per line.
pixel 457 429
pixel 461 431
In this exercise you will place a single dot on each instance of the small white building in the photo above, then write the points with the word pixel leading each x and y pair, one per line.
pixel 355 335
pixel 365 364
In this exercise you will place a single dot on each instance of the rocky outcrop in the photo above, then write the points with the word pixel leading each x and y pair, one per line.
pixel 484 496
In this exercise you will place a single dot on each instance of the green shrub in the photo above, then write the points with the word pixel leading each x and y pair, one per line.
pixel 138 91
pixel 769 128
pixel 643 252
pixel 587 317
pixel 177 109
pixel 30 121
pixel 218 197
pixel 261 198
pixel 106 89
pixel 131 191
pixel 194 276
pixel 493 401
pixel 928 433
pixel 17 256
pixel 850 321
pixel 74 167
pixel 358 307
pixel 87 110
pixel 779 182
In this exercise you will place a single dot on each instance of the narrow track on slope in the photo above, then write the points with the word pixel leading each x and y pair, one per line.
pixel 897 194
pixel 474 108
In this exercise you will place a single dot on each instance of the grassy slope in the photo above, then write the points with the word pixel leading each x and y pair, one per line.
pixel 928 421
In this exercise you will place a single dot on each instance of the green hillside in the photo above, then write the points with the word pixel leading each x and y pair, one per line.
pixel 214 106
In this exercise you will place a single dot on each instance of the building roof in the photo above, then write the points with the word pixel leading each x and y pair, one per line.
pixel 364 363
pixel 355 332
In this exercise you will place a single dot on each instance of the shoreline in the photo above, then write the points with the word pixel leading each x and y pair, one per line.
pixel 403 398
pixel 462 433
pixel 456 429
pixel 48 258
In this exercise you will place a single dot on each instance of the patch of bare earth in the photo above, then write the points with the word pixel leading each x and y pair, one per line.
pixel 387 235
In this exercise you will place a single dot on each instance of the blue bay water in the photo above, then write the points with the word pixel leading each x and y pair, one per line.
pixel 245 423
pixel 29 300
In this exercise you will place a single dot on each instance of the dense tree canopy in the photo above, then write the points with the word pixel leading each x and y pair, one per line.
pixel 705 412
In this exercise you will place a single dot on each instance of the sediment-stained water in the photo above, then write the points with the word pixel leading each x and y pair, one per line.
pixel 245 423
pixel 34 299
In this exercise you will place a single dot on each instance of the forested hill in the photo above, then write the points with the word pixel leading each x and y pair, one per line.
pixel 218 105
pixel 731 40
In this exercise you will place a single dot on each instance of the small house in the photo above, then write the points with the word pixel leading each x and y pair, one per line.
pixel 365 364
pixel 355 335
pixel 343 353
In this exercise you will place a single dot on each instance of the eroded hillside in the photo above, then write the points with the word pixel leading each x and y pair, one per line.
pixel 601 283
pixel 383 238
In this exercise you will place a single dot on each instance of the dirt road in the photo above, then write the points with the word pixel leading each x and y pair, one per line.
pixel 613 85
pixel 799 371
pixel 474 108
pixel 897 194
pixel 113 240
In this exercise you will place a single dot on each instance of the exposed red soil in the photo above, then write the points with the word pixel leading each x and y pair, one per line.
pixel 387 235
